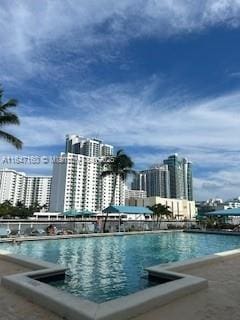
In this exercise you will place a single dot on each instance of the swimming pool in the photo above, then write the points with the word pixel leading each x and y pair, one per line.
pixel 105 268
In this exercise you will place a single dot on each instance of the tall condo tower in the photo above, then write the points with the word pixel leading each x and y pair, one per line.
pixel 78 183
pixel 18 187
pixel 180 169
pixel 155 181
pixel 87 147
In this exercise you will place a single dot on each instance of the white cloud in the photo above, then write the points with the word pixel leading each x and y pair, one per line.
pixel 207 132
pixel 124 116
pixel 223 183
pixel 31 31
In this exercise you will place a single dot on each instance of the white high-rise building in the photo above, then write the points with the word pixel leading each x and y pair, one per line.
pixel 87 147
pixel 38 190
pixel 78 184
pixel 106 150
pixel 18 187
pixel 12 186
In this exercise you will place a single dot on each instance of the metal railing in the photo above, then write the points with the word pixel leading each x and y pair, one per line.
pixel 80 226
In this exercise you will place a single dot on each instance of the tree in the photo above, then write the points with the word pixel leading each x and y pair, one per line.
pixel 7 117
pixel 35 207
pixel 20 204
pixel 6 208
pixel 119 166
pixel 215 222
pixel 160 211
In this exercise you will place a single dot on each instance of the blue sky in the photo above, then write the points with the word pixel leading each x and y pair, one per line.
pixel 152 77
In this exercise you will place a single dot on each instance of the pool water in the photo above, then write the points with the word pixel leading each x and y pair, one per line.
pixel 104 268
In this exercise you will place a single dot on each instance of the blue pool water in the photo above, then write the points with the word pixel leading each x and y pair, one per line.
pixel 105 268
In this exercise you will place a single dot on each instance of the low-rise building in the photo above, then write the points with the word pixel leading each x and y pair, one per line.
pixel 181 208
pixel 128 213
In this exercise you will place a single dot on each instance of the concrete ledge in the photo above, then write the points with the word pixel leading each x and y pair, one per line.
pixel 33 264
pixel 31 285
pixel 225 233
pixel 140 302
pixel 85 235
pixel 61 303
pixel 194 263
pixel 74 308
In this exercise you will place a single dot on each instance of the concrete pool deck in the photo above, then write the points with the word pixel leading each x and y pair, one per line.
pixel 219 301
pixel 15 307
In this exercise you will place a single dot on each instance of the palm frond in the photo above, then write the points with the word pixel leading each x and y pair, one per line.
pixel 11 139
pixel 9 118
pixel 9 104
pixel 119 152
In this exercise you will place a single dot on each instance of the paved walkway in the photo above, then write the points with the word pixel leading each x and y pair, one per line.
pixel 15 307
pixel 221 301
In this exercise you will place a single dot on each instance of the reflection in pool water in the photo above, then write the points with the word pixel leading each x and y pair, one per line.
pixel 103 268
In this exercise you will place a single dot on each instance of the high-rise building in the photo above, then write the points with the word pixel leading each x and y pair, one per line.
pixel 106 150
pixel 180 170
pixel 18 187
pixel 78 184
pixel 172 179
pixel 140 181
pixel 12 186
pixel 155 181
pixel 188 181
pixel 77 180
pixel 37 190
pixel 87 147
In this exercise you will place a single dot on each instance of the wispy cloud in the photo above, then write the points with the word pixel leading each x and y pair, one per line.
pixel 55 42
pixel 206 131
pixel 31 31
pixel 222 183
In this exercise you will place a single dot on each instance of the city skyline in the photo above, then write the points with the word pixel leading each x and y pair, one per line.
pixel 170 179
pixel 154 81
pixel 33 161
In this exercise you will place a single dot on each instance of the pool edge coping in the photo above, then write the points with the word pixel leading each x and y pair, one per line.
pixel 72 307
pixel 84 235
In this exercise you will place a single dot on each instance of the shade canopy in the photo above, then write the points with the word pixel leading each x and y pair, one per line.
pixel 75 213
pixel 235 212
pixel 127 210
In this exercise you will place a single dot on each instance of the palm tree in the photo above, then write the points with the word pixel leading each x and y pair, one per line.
pixel 7 117
pixel 119 166
pixel 159 211
pixel 20 204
